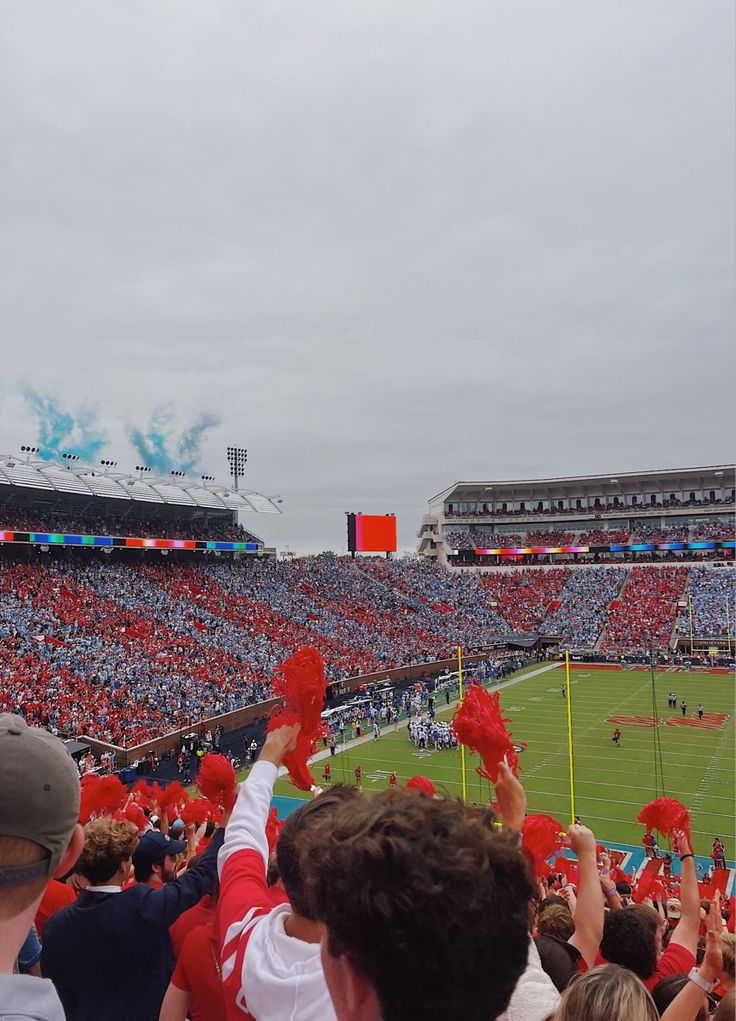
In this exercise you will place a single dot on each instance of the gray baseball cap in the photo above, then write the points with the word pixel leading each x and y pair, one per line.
pixel 39 795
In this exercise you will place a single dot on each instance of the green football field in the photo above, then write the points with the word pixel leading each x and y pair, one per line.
pixel 611 784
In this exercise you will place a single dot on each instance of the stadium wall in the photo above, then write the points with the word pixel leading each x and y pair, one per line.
pixel 239 718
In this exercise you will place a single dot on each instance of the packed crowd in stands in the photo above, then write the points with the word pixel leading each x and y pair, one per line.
pixel 711 594
pixel 131 906
pixel 476 538
pixel 524 597
pixel 583 606
pixel 644 615
pixel 131 525
pixel 123 650
pixel 658 533
pixel 704 530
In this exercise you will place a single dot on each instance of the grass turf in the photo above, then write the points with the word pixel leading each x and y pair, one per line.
pixel 611 784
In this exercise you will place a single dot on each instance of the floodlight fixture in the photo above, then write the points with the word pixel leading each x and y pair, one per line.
pixel 143 468
pixel 237 458
pixel 178 474
pixel 107 463
pixel 207 478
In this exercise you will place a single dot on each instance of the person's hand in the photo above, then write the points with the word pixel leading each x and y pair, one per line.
pixel 511 798
pixel 605 864
pixel 279 743
pixel 712 964
pixel 568 893
pixel 581 840
pixel 682 844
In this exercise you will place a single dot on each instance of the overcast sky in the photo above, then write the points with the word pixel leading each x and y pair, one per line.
pixel 389 244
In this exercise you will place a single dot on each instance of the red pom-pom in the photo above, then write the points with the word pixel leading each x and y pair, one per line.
pixel 541 836
pixel 647 881
pixel 665 815
pixel 171 799
pixel 197 811
pixel 143 794
pixel 568 868
pixel 86 804
pixel 273 830
pixel 480 725
pixel 216 780
pixel 421 784
pixel 135 814
pixel 300 682
pixel 101 796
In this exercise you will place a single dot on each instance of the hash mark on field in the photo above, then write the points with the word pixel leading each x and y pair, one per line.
pixel 708 775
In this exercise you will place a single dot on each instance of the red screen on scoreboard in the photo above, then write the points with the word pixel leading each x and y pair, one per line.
pixel 372 533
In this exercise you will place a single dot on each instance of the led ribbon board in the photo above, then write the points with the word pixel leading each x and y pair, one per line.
pixel 118 542
pixel 653 547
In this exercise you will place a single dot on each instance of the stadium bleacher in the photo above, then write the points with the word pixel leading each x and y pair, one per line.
pixel 644 615
pixel 124 650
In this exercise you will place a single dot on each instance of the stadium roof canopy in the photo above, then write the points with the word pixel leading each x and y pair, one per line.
pixel 677 480
pixel 34 475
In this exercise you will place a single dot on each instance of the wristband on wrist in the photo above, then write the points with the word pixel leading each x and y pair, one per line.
pixel 688 855
pixel 610 893
pixel 695 976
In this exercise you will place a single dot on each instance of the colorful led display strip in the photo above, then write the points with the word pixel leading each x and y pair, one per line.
pixel 119 542
pixel 648 547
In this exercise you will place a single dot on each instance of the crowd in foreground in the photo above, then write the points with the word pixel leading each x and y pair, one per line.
pixel 400 906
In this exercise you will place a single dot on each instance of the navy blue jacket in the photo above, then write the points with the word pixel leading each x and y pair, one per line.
pixel 109 954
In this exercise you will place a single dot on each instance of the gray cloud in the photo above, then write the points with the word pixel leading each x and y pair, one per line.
pixel 392 245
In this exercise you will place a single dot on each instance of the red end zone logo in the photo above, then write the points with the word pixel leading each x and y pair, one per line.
pixel 633 721
pixel 710 721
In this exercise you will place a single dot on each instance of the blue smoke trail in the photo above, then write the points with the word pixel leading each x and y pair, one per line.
pixel 190 443
pixel 150 442
pixel 60 430
pixel 157 447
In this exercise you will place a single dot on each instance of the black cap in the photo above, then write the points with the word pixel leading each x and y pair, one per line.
pixel 153 847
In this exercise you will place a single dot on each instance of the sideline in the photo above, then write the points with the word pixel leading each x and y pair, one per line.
pixel 391 728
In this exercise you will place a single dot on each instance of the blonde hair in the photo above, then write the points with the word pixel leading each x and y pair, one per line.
pixel 608 993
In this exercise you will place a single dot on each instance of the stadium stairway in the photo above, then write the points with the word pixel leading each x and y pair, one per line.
pixel 612 605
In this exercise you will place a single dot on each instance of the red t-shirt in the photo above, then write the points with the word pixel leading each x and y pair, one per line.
pixel 57 895
pixel 676 960
pixel 202 913
pixel 197 972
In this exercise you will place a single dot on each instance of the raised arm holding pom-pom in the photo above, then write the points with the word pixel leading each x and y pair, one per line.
pixel 589 908
pixel 511 798
pixel 686 933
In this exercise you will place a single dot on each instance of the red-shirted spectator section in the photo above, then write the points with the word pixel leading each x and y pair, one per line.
pixel 644 615
pixel 524 597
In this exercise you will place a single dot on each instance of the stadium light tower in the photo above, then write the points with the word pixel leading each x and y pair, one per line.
pixel 237 457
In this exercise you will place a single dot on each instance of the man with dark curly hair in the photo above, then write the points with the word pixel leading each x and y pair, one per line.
pixel 425 905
